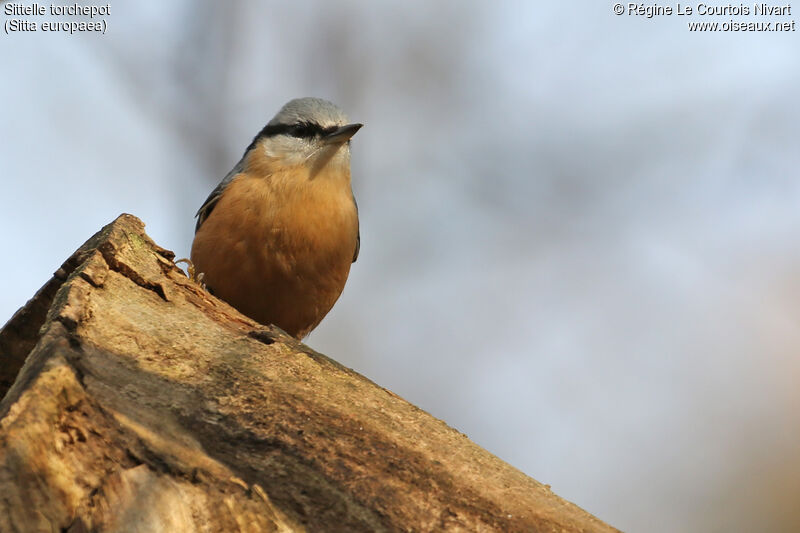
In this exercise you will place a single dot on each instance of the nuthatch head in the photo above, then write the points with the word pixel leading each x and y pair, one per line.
pixel 277 236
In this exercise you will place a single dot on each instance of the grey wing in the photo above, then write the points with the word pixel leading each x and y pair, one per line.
pixel 358 233
pixel 213 198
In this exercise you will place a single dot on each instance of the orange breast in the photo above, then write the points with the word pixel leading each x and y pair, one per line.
pixel 279 249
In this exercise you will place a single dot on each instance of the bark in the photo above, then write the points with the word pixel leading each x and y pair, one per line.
pixel 136 401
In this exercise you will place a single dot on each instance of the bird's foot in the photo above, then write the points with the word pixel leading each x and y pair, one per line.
pixel 195 276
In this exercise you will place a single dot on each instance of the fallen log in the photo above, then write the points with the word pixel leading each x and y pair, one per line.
pixel 133 400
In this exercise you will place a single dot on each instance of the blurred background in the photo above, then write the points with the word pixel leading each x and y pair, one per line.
pixel 579 230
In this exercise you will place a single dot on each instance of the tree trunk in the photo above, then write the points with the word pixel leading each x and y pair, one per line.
pixel 135 401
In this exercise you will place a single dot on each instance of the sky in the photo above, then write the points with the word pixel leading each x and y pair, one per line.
pixel 579 229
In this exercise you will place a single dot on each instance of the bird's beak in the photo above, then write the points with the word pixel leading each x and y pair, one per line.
pixel 342 134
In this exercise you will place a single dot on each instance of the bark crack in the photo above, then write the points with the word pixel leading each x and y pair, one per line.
pixel 109 254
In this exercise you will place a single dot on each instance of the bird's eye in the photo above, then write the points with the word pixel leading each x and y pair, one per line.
pixel 303 129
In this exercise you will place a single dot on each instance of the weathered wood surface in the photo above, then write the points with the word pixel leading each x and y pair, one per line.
pixel 145 404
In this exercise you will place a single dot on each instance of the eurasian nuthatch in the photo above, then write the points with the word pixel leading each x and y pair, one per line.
pixel 277 236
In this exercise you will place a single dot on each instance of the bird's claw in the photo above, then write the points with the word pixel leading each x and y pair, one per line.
pixel 195 276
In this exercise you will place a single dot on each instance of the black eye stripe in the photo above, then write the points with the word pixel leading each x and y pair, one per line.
pixel 301 130
pixel 304 130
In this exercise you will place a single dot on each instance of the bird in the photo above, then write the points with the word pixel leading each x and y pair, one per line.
pixel 276 238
